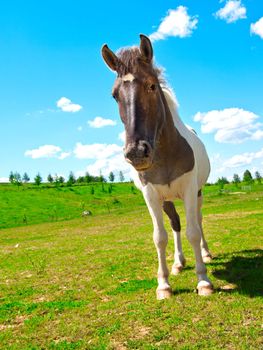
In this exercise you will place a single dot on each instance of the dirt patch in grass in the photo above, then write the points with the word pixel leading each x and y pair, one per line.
pixel 17 322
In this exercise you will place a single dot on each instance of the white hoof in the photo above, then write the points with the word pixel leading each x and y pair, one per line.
pixel 176 269
pixel 207 258
pixel 205 288
pixel 164 293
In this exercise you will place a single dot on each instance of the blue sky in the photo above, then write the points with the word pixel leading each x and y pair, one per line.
pixel 57 113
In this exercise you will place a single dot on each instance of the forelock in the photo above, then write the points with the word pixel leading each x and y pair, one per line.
pixel 129 61
pixel 129 58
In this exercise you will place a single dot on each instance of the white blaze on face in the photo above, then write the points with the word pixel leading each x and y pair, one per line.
pixel 128 77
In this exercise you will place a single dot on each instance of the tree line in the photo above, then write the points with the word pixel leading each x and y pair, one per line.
pixel 247 179
pixel 17 179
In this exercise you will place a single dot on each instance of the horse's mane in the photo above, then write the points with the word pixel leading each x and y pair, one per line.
pixel 170 98
pixel 129 56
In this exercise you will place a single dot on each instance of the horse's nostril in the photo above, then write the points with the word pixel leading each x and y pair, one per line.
pixel 130 152
pixel 127 154
pixel 146 148
pixel 146 151
pixel 141 150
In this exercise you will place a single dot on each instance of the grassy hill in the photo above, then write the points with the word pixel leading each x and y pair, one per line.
pixel 89 283
pixel 29 204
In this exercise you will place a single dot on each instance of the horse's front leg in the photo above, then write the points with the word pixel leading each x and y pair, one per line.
pixel 160 239
pixel 194 234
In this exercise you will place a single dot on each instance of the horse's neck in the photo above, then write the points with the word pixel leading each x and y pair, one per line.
pixel 173 143
pixel 170 132
pixel 171 102
pixel 173 155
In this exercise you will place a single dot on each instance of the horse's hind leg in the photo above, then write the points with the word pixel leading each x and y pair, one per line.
pixel 206 255
pixel 179 260
pixel 194 234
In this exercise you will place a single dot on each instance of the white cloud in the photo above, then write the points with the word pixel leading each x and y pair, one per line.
pixel 115 164
pixel 122 136
pixel 232 11
pixel 108 157
pixel 231 125
pixel 258 135
pixel 176 23
pixel 47 151
pixel 240 160
pixel 66 105
pixel 64 155
pixel 96 150
pixel 79 128
pixel 4 179
pixel 100 122
pixel 257 28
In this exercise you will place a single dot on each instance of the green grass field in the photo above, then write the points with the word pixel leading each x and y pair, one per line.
pixel 29 204
pixel 72 282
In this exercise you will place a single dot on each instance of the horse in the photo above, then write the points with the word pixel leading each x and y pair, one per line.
pixel 170 161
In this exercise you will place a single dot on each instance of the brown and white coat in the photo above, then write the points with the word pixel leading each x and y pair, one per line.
pixel 170 160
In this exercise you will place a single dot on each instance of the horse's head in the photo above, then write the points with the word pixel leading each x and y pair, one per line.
pixel 139 97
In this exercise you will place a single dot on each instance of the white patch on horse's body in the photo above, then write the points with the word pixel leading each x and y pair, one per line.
pixel 175 190
pixel 201 167
pixel 202 164
pixel 128 77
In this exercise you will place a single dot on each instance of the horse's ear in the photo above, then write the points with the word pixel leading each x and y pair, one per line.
pixel 110 58
pixel 146 48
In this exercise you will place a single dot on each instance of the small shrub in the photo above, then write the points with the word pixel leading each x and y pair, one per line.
pixel 115 201
pixel 133 190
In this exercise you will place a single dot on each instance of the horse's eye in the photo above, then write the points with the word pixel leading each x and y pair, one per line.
pixel 152 87
pixel 115 97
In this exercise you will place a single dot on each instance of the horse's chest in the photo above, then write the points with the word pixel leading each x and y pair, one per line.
pixel 174 190
pixel 167 192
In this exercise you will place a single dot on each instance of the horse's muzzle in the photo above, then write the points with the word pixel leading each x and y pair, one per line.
pixel 139 155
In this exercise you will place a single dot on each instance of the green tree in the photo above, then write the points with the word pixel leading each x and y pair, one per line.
pixel 26 178
pixel 121 176
pixel 61 179
pixel 247 177
pixel 80 179
pixel 11 177
pixel 38 179
pixel 101 178
pixel 88 177
pixel 111 176
pixel 50 178
pixel 236 179
pixel 258 177
pixel 56 180
pixel 71 179
pixel 17 179
pixel 221 182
